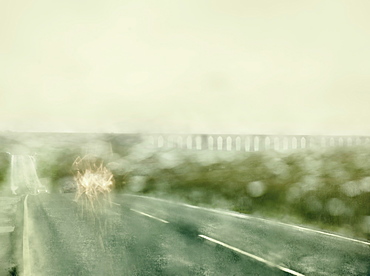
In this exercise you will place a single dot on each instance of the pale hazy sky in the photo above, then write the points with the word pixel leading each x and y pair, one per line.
pixel 233 66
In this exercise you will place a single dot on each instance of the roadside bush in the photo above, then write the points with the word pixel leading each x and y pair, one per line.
pixel 328 188
pixel 4 167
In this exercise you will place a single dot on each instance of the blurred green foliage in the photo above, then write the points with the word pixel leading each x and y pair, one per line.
pixel 328 188
pixel 55 165
pixel 4 167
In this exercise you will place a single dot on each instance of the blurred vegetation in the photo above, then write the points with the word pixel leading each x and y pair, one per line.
pixel 326 188
pixel 4 167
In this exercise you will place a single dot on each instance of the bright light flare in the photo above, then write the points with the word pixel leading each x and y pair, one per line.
pixel 93 180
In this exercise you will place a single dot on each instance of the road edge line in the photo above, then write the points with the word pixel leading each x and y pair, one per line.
pixel 295 273
pixel 26 245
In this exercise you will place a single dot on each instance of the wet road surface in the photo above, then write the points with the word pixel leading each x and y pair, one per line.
pixel 144 236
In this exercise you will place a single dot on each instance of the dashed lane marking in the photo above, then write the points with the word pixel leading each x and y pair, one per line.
pixel 295 273
pixel 153 217
pixel 6 229
pixel 244 216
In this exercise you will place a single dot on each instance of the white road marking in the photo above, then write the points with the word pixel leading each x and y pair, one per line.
pixel 111 202
pixel 145 214
pixel 328 234
pixel 253 256
pixel 6 229
pixel 244 216
pixel 26 245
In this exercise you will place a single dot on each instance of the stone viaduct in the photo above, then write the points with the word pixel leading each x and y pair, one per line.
pixel 232 142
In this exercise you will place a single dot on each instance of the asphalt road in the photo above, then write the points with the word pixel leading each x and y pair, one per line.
pixel 145 236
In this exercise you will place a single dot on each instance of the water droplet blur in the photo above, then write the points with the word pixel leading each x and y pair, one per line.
pixel 336 207
pixel 256 188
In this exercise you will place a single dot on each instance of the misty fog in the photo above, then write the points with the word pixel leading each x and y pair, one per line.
pixel 202 67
